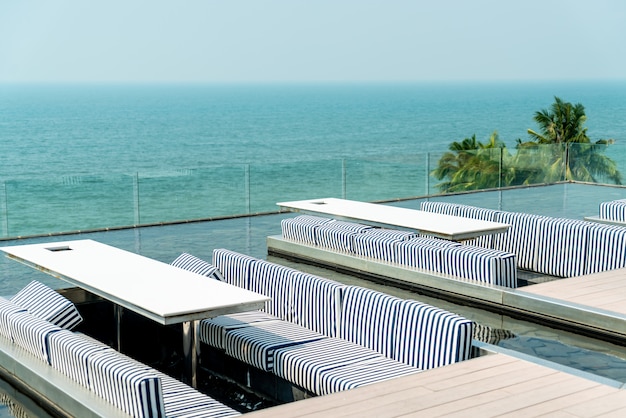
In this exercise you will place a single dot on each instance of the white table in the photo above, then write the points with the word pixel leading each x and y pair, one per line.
pixel 449 227
pixel 156 290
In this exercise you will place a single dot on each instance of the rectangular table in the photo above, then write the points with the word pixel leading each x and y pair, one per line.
pixel 449 227
pixel 156 290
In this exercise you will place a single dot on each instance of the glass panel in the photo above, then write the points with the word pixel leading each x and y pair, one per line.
pixel 593 163
pixel 68 203
pixel 468 169
pixel 386 179
pixel 192 194
pixel 272 183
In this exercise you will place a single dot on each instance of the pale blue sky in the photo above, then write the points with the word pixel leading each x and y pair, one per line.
pixel 314 40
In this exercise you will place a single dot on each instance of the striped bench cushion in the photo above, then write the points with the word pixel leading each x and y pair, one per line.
pixel 613 211
pixel 7 308
pixel 256 344
pixel 211 331
pixel 363 373
pixel 521 237
pixel 302 228
pixel 380 244
pixel 275 282
pixel 368 318
pixel 315 303
pixel 129 385
pixel 194 264
pixel 69 352
pixel 606 248
pixel 338 235
pixel 428 337
pixel 440 207
pixel 561 247
pixel 181 400
pixel 31 333
pixel 47 304
pixel 235 267
pixel 301 364
pixel 480 264
pixel 423 253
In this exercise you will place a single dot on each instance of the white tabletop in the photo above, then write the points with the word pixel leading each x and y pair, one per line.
pixel 149 287
pixel 443 226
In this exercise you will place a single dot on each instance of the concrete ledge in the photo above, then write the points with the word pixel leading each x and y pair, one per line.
pixel 582 319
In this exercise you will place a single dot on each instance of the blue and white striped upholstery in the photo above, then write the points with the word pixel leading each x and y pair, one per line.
pixel 302 228
pixel 315 303
pixel 181 400
pixel 338 235
pixel 256 344
pixel 482 214
pixel 7 309
pixel 129 385
pixel 380 244
pixel 235 267
pixel 521 237
pixel 211 331
pixel 480 264
pixel 606 248
pixel 368 318
pixel 423 253
pixel 362 373
pixel 69 352
pixel 31 333
pixel 440 207
pixel 302 364
pixel 273 281
pixel 613 211
pixel 47 304
pixel 194 264
pixel 561 247
pixel 428 337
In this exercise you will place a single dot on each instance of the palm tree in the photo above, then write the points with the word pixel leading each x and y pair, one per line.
pixel 568 152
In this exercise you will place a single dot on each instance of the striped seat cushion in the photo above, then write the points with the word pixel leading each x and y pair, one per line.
pixel 613 211
pixel 302 228
pixel 235 267
pixel 194 264
pixel 606 248
pixel 129 385
pixel 69 352
pixel 338 235
pixel 211 331
pixel 302 364
pixel 181 400
pixel 380 244
pixel 31 333
pixel 7 308
pixel 47 304
pixel 428 337
pixel 363 373
pixel 275 282
pixel 480 264
pixel 561 247
pixel 256 344
pixel 368 318
pixel 315 303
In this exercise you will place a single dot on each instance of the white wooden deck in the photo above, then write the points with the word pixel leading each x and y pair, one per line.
pixel 489 386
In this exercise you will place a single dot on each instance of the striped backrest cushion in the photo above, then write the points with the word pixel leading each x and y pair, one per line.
pixel 380 243
pixel 194 264
pixel 47 304
pixel 338 235
pixel 423 253
pixel 235 267
pixel 561 247
pixel 368 318
pixel 315 303
pixel 7 308
pixel 31 333
pixel 127 384
pixel 613 211
pixel 274 281
pixel 521 237
pixel 302 228
pixel 428 337
pixel 606 248
pixel 440 207
pixel 482 214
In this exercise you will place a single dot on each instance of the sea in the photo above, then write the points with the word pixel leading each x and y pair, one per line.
pixel 75 157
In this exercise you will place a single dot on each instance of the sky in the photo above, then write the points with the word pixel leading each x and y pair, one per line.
pixel 269 41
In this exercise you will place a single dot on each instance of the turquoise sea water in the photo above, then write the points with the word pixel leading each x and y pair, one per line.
pixel 91 156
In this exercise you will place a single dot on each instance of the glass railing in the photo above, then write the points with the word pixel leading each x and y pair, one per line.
pixel 81 203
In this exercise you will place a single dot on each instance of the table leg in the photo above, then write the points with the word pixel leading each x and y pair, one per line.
pixel 119 311
pixel 190 351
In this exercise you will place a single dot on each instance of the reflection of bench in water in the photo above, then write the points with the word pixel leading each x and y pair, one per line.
pixel 490 335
